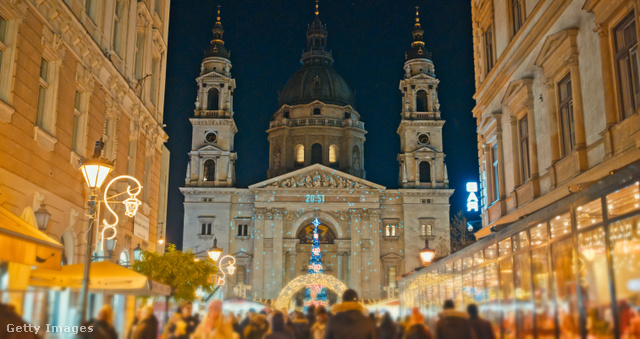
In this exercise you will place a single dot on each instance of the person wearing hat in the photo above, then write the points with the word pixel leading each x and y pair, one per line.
pixel 349 320
pixel 453 323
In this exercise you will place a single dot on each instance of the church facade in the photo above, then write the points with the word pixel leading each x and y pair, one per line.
pixel 369 234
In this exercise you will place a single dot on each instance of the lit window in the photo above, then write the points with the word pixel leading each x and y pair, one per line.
pixel 393 230
pixel 387 230
pixel 429 230
pixel 333 154
pixel 299 153
pixel 392 276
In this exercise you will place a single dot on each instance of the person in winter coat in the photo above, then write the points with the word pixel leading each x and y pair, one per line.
pixel 311 315
pixel 301 324
pixel 416 328
pixel 102 326
pixel 183 323
pixel 481 328
pixel 258 327
pixel 453 324
pixel 349 320
pixel 388 329
pixel 213 325
pixel 247 319
pixel 278 330
pixel 320 325
pixel 147 327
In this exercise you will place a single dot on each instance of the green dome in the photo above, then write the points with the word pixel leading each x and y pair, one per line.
pixel 317 81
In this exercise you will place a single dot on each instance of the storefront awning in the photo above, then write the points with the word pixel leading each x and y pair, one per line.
pixel 105 277
pixel 22 243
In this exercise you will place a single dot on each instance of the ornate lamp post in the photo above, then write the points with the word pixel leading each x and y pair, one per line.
pixel 227 262
pixel 95 170
pixel 427 254
pixel 42 217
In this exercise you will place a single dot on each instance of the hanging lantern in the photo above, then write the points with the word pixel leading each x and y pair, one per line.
pixel 131 204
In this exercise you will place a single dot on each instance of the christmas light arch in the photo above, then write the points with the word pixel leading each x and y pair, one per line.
pixel 295 285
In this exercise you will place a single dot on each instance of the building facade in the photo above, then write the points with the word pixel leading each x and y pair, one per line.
pixel 369 234
pixel 558 138
pixel 73 72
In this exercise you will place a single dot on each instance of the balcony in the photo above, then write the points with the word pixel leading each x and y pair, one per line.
pixel 212 114
pixel 331 122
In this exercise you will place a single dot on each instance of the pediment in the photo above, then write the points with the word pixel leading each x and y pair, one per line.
pixel 553 42
pixel 425 149
pixel 390 257
pixel 317 177
pixel 519 89
pixel 242 254
pixel 209 148
pixel 210 75
pixel 423 76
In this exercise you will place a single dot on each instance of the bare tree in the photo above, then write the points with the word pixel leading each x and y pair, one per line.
pixel 460 237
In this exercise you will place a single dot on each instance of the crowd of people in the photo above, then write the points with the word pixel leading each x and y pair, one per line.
pixel 347 319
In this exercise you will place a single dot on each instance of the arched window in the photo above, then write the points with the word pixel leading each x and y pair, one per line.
pixel 325 234
pixel 392 276
pixel 316 154
pixel 209 170
pixel 241 276
pixel 212 99
pixel 425 171
pixel 299 155
pixel 124 258
pixel 422 101
pixel 333 155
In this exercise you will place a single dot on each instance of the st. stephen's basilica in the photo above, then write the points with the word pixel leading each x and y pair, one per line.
pixel 369 234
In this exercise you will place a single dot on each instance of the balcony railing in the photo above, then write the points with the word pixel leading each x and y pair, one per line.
pixel 317 122
pixel 212 114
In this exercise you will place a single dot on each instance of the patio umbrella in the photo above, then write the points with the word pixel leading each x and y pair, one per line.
pixel 105 277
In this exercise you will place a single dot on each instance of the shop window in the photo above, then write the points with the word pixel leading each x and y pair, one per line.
pixel 624 238
pixel 525 167
pixel 623 201
pixel 467 288
pixel 316 154
pixel 520 241
pixel 213 98
pixel 507 298
pixel 422 101
pixel 543 297
pixel 425 171
pixel 467 262
pixel 538 234
pixel 492 312
pixel 626 43
pixel 522 284
pixel 505 247
pixel 594 280
pixel 560 225
pixel 567 126
pixel 209 170
pixel 564 262
pixel 491 252
pixel 589 214
pixel 478 258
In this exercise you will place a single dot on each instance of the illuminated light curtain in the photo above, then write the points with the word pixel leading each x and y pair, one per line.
pixel 315 294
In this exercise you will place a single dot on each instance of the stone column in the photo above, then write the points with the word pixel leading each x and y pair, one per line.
pixel 278 269
pixel 376 266
pixel 515 150
pixel 501 181
pixel 258 255
pixel 533 149
pixel 356 247
pixel 608 77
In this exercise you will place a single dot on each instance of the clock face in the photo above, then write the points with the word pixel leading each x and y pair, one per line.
pixel 211 137
pixel 423 138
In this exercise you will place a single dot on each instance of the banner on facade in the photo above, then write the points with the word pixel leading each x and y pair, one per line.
pixel 141 226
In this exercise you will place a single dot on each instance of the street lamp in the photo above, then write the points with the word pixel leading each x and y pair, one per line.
pixel 137 253
pixel 95 171
pixel 214 252
pixel 427 254
pixel 42 217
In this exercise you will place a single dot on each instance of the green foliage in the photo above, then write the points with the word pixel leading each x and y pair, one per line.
pixel 178 269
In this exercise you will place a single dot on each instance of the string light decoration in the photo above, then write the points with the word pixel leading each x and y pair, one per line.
pixel 300 282
pixel 131 205
pixel 315 294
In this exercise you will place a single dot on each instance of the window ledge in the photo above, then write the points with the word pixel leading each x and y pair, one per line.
pixel 242 237
pixel 385 237
pixel 205 236
pixel 6 111
pixel 74 158
pixel 44 139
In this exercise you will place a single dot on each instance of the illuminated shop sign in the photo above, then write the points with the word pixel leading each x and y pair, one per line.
pixel 472 200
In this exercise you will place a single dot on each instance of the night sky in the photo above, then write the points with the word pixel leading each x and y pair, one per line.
pixel 368 40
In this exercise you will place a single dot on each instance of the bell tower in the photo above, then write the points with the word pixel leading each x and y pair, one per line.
pixel 421 157
pixel 212 156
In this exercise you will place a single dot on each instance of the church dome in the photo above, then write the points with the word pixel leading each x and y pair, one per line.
pixel 316 81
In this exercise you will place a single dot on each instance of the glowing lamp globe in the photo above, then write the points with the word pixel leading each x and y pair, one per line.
pixel 427 254
pixel 215 252
pixel 95 171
